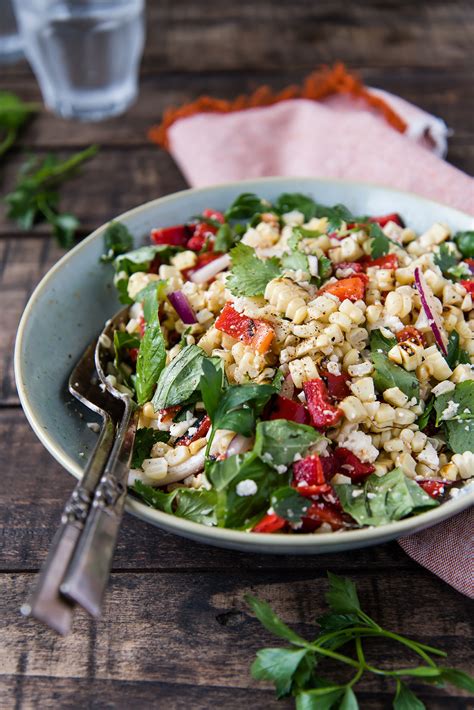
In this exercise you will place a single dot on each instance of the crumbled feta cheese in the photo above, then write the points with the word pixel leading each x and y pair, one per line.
pixel 429 456
pixel 281 469
pixel 334 368
pixel 361 445
pixel 356 493
pixel 297 457
pixel 294 218
pixel 450 411
pixel 442 388
pixel 246 488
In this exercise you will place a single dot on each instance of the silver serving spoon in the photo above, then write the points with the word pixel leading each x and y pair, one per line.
pixel 86 578
pixel 46 603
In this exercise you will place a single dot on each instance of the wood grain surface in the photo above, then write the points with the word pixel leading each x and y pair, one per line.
pixel 176 632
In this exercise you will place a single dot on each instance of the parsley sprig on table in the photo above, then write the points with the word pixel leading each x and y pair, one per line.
pixel 35 197
pixel 14 113
pixel 294 670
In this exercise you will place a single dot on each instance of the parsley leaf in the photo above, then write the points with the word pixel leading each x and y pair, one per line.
pixel 278 665
pixel 117 240
pixel 382 499
pixel 342 595
pixel 14 113
pixel 249 275
pixel 272 621
pixel 35 199
pixel 459 429
pixel 145 438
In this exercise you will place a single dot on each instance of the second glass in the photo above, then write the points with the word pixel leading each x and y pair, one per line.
pixel 84 53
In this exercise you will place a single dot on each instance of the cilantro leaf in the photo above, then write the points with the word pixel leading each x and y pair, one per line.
pixel 380 243
pixel 245 206
pixel 289 504
pixel 117 240
pixel 249 275
pixel 225 238
pixel 34 198
pixel 295 260
pixel 279 666
pixel 342 595
pixel 446 259
pixel 459 429
pixel 465 243
pixel 382 499
pixel 277 441
pixel 145 438
pixel 295 201
pixel 405 699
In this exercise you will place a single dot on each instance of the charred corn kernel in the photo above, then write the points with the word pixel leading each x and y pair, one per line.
pixel 423 470
pixel 407 354
pixel 449 472
pixel 407 463
pixel 436 364
pixel 364 389
pixel 461 373
pixel 197 445
pixel 302 371
pixel 358 338
pixel 394 395
pixel 353 409
pixel 407 436
pixel 394 445
pixel 155 469
pixel 334 334
pixel 371 408
pixel 178 455
pixel 373 313
pixel 341 320
pixel 385 415
pixel 149 411
pixel 403 417
pixel 381 468
pixel 418 441
pixel 184 260
pixel 351 357
pixel 160 449
pixel 464 463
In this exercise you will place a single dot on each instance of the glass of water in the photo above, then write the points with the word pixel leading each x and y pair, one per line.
pixel 85 53
pixel 10 40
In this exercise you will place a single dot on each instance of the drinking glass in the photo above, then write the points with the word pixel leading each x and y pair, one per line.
pixel 85 53
pixel 10 41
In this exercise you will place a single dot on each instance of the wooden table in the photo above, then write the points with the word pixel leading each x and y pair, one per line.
pixel 175 631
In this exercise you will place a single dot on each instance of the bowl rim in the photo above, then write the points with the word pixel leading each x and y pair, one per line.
pixel 267 542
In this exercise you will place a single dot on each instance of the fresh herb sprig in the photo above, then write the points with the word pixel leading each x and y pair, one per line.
pixel 14 114
pixel 35 197
pixel 294 670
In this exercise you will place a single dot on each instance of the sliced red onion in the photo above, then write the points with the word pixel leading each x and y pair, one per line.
pixel 287 387
pixel 210 270
pixel 239 445
pixel 313 265
pixel 182 307
pixel 428 304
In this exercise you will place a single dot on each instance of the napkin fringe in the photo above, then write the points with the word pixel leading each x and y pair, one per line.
pixel 320 84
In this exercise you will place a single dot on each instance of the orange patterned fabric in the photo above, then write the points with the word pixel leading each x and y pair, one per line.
pixel 320 84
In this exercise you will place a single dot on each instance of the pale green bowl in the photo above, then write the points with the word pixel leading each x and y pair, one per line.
pixel 72 302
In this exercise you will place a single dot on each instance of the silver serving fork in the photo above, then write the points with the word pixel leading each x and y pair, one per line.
pixel 46 603
pixel 86 578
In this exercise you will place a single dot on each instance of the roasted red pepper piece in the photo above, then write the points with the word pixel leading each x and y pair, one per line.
pixel 433 488
pixel 469 286
pixel 133 354
pixel 308 477
pixel 323 413
pixel 213 214
pixel 251 331
pixel 174 236
pixel 390 261
pixel 322 512
pixel 350 465
pixel 338 385
pixel 412 334
pixel 169 413
pixel 284 408
pixel 384 219
pixel 270 523
pixel 352 288
pixel 141 326
pixel 202 429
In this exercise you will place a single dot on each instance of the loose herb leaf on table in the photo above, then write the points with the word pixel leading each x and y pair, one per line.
pixel 14 113
pixel 295 670
pixel 35 197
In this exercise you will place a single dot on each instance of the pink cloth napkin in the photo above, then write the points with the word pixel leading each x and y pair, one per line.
pixel 345 134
